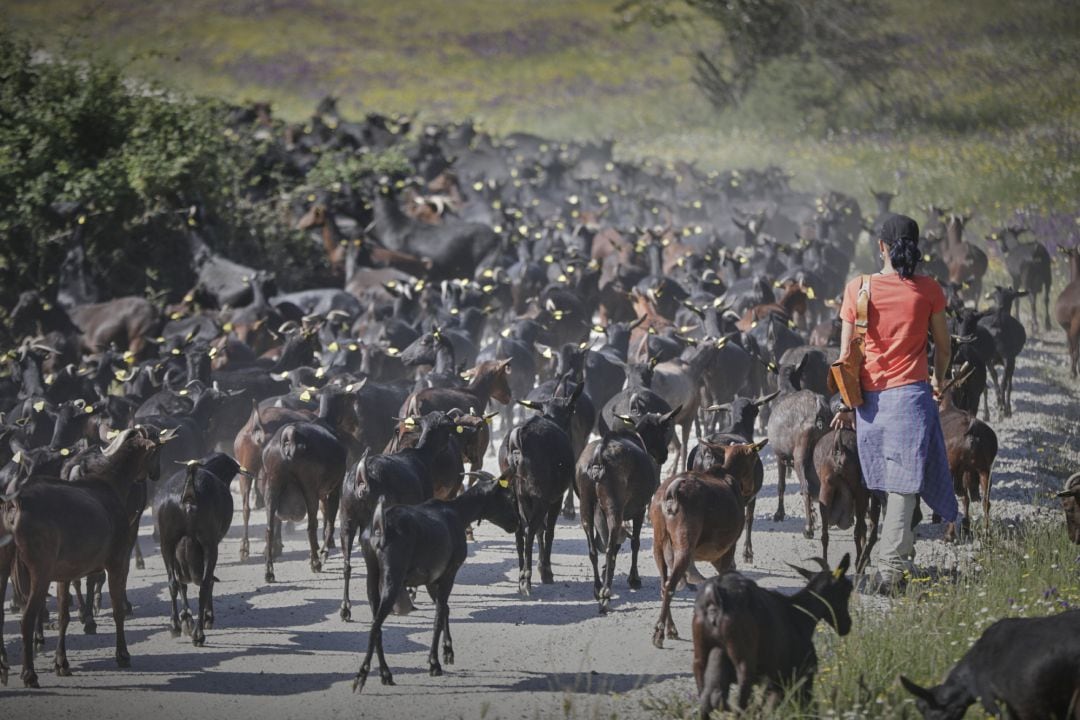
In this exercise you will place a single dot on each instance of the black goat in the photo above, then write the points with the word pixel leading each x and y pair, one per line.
pixel 413 545
pixel 402 478
pixel 194 511
pixel 746 634
pixel 1009 338
pixel 1027 667
pixel 538 459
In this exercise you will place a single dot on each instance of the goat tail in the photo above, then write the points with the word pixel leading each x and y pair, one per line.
pixel 290 443
pixel 189 555
pixel 378 524
pixel 595 467
pixel 670 503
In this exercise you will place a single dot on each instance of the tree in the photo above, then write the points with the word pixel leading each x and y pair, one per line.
pixel 844 36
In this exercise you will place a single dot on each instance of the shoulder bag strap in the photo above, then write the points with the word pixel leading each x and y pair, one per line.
pixel 861 305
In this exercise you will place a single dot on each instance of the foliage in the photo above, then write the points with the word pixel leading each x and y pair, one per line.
pixel 335 170
pixel 844 37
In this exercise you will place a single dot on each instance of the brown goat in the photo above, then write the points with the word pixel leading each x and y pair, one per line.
pixel 842 497
pixel 1067 308
pixel 65 531
pixel 971 446
pixel 790 306
pixel 248 448
pixel 699 515
pixel 1070 500
pixel 967 263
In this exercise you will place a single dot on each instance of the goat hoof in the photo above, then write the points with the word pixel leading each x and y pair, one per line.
pixel 269 576
pixel 63 670
pixel 140 564
pixel 436 670
pixel 524 589
pixel 448 657
pixel 4 676
pixel 346 613
pixel 90 628
pixel 245 552
pixel 208 621
pixel 808 533
pixel 658 638
pixel 778 516
pixel 316 566
pixel 129 612
pixel 547 577
pixel 672 633
pixel 30 679
pixel 123 661
pixel 604 606
pixel 358 682
pixel 199 640
pixel 634 582
pixel 748 558
pixel 387 679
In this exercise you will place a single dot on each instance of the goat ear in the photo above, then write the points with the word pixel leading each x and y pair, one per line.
pixel 669 416
pixel 924 694
pixel 808 574
pixel 842 568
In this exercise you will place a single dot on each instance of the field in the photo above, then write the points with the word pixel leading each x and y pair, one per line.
pixel 990 123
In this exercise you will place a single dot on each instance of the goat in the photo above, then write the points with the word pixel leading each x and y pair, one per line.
pixel 65 531
pixel 699 516
pixel 538 460
pixel 744 413
pixel 1067 309
pixel 402 478
pixel 1028 667
pixel 615 478
pixel 193 513
pixel 971 446
pixel 1070 500
pixel 746 634
pixel 798 419
pixel 1029 268
pixel 412 545
pixel 842 497
pixel 1009 338
pixel 301 465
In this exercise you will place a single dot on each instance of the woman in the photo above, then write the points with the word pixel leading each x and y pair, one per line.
pixel 901 447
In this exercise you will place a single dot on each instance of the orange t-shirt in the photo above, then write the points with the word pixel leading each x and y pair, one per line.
pixel 899 321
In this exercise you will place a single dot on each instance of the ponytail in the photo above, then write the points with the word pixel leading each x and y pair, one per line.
pixel 901 235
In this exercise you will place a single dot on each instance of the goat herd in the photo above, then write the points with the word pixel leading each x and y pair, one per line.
pixel 594 311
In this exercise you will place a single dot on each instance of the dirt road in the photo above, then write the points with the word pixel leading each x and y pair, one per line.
pixel 281 651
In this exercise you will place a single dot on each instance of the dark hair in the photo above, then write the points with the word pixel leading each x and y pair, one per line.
pixel 901 235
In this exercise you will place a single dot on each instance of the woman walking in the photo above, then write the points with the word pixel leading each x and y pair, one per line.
pixel 901 446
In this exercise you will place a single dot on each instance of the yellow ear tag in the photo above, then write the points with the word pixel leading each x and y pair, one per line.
pixel 39 406
pixel 409 422
pixel 64 452
pixel 838 573
pixel 320 372
pixel 111 434
pixel 926 258
pixel 89 409
pixel 17 458
pixel 333 347
pixel 227 327
pixel 549 259
pixel 505 333
pixel 50 379
pixel 175 351
pixel 392 351
pixel 460 429
pixel 305 396
pixel 504 483
pixel 488 272
pixel 810 293
pixel 349 388
pixel 182 393
pixel 353 347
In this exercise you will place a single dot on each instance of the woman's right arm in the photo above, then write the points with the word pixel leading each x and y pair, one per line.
pixel 846 331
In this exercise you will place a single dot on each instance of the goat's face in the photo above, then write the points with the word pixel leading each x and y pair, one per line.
pixel 832 587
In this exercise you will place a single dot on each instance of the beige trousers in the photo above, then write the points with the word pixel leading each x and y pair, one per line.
pixel 896 548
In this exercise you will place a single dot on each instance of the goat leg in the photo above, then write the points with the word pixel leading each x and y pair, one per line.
pixel 313 536
pixel 348 533
pixel 716 679
pixel 634 579
pixel 206 594
pixel 140 563
pixel 748 543
pixel 330 512
pixel 63 600
pixel 4 667
pixel 245 494
pixel 35 604
pixel 547 540
pixel 825 535
pixel 271 525
pixel 781 487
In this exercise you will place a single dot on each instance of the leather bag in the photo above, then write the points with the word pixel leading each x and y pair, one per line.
pixel 844 375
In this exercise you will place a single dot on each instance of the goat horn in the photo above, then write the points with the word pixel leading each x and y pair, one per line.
pixel 718 408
